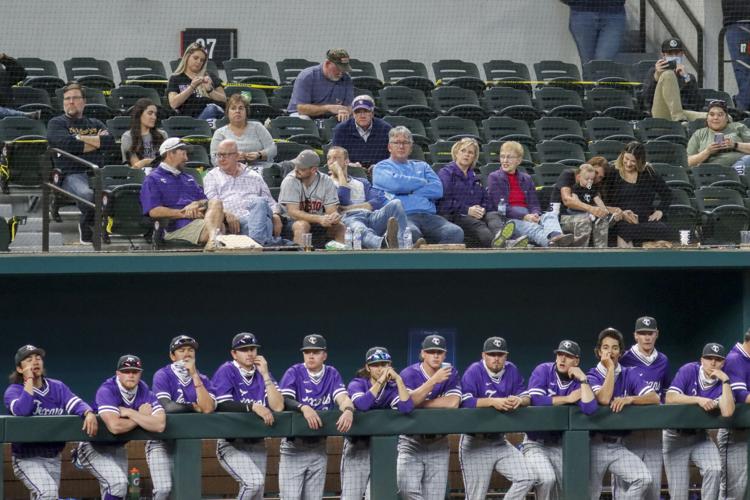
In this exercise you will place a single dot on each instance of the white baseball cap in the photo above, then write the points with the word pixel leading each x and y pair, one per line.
pixel 171 144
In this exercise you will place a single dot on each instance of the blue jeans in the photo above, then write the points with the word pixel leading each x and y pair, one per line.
pixel 258 222
pixel 373 224
pixel 742 165
pixel 434 229
pixel 211 112
pixel 78 184
pixel 598 35
pixel 538 234
pixel 738 34
pixel 10 112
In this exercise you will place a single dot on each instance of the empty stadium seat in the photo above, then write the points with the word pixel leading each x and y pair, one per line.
pixel 364 76
pixel 33 99
pixel 295 129
pixel 407 73
pixel 117 175
pixel 191 130
pixel 91 72
pixel 416 127
pixel 564 152
pixel 458 101
pixel 716 175
pixel 118 126
pixel 38 67
pixel 612 102
pixel 505 128
pixel 675 176
pixel 140 68
pixel 607 148
pixel 559 74
pixel 608 128
pixel 723 214
pixel 452 128
pixel 124 97
pixel 405 101
pixel 458 73
pixel 511 102
pixel 603 70
pixel 289 69
pixel 506 73
pixel 122 212
pixel 249 71
pixel 559 129
pixel 556 101
pixel 666 152
pixel 660 129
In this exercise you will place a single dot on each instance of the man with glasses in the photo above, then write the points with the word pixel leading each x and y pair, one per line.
pixel 249 208
pixel 86 138
pixel 310 200
pixel 669 90
pixel 170 193
pixel 418 187
pixel 324 90
pixel 363 136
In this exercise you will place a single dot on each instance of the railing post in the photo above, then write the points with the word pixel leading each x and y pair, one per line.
pixel 186 478
pixel 576 463
pixel 46 162
pixel 383 458
pixel 720 58
pixel 97 236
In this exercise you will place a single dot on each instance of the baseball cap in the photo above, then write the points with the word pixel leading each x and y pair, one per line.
pixel 495 344
pixel 171 144
pixel 363 101
pixel 306 159
pixel 340 58
pixel 672 44
pixel 313 341
pixel 434 343
pixel 646 324
pixel 25 351
pixel 243 340
pixel 377 355
pixel 129 362
pixel 569 347
pixel 182 341
pixel 714 350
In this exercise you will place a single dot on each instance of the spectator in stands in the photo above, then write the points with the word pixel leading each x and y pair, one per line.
pixel 582 212
pixel 12 73
pixel 254 142
pixel 363 136
pixel 191 90
pixel 597 27
pixel 376 386
pixel 737 24
pixel 669 90
pixel 140 145
pixel 721 141
pixel 87 138
pixel 418 187
pixel 249 208
pixel 516 190
pixel 634 189
pixel 32 393
pixel 324 90
pixel 466 203
pixel 382 222
pixel 170 193
pixel 310 200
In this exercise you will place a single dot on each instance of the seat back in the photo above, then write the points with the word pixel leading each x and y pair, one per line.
pixel 123 211
pixel 281 96
pixel 709 198
pixel 181 126
pixel 288 150
pixel 599 69
pixel 546 174
pixel 666 152
pixel 609 149
pixel 602 98
pixel 550 70
pixel 118 126
pixel 551 127
pixel 289 69
pixel 38 67
pixel 117 175
pixel 498 70
pixel 444 98
pixel 603 127
pixel 708 174
pixel 656 128
pixel 13 127
pixel 560 152
pixel 362 68
pixel 135 67
pixel 284 127
pixel 440 152
pixel 397 69
pixel 447 127
pixel 79 67
pixel 29 95
pixel 124 97
pixel 272 175
pixel 237 69
pixel 497 127
pixel 499 98
pixel 449 69
pixel 394 97
pixel 548 98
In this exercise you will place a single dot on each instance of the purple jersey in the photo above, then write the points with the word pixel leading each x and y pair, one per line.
pixel 53 398
pixel 230 385
pixel 167 385
pixel 110 399
pixel 363 399
pixel 691 381
pixel 629 382
pixel 478 383
pixel 655 369
pixel 320 393
pixel 414 376
pixel 737 368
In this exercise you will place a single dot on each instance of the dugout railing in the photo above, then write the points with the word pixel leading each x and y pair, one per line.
pixel 384 427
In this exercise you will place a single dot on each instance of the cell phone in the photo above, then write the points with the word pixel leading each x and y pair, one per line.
pixel 672 65
pixel 719 138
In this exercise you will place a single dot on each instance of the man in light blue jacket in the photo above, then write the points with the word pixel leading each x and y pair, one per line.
pixel 417 186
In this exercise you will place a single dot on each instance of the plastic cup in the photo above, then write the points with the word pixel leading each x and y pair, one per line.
pixel 307 242
pixel 684 237
pixel 556 208
pixel 745 238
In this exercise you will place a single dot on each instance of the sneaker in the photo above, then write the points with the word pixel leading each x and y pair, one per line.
pixel 85 234
pixel 391 233
pixel 420 242
pixel 503 235
pixel 561 240
pixel 521 242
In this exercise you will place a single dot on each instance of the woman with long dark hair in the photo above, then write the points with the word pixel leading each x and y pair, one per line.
pixel 140 144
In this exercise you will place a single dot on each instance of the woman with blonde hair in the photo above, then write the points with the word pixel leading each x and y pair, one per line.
pixel 466 203
pixel 191 90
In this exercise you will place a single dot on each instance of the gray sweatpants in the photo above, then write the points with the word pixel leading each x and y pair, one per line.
pixel 41 475
pixel 479 456
pixel 355 469
pixel 422 468
pixel 679 450
pixel 245 461
pixel 621 462
pixel 108 463
pixel 302 469
pixel 733 456
pixel 545 461
pixel 646 445
pixel 159 456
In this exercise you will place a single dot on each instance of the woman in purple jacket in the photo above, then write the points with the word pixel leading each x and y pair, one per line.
pixel 465 201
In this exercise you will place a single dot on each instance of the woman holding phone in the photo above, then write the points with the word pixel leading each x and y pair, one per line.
pixel 720 141
pixel 191 90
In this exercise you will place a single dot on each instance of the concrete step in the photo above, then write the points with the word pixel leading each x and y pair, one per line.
pixel 32 225
pixel 6 210
pixel 34 239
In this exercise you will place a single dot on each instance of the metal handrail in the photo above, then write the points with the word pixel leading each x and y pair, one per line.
pixel 696 61
pixel 720 61
pixel 96 204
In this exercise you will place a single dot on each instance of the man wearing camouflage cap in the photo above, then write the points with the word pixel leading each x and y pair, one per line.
pixel 324 90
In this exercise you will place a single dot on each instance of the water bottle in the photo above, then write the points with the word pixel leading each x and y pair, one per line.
pixel 349 238
pixel 357 242
pixel 134 484
pixel 502 207
pixel 408 243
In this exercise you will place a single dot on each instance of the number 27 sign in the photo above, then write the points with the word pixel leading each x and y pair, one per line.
pixel 221 44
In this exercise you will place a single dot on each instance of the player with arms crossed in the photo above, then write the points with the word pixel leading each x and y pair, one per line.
pixel 561 382
pixel 310 387
pixel 180 388
pixel 124 402
pixel 245 385
pixel 31 393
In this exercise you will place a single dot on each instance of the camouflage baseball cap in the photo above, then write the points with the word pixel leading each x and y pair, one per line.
pixel 340 58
